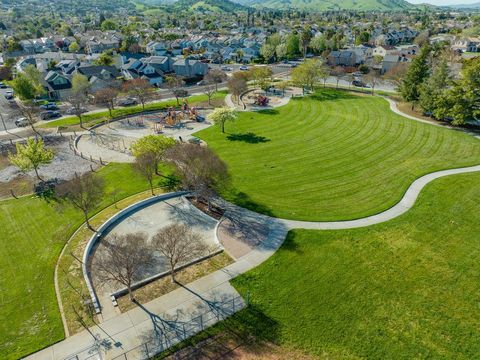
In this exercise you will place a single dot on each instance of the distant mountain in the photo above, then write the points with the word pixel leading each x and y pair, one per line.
pixel 331 5
pixel 216 6
pixel 466 6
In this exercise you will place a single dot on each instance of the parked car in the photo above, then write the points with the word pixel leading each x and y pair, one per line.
pixel 49 106
pixel 128 102
pixel 2 85
pixel 202 82
pixel 73 111
pixel 9 94
pixel 49 114
pixel 244 67
pixel 21 122
pixel 358 83
pixel 226 68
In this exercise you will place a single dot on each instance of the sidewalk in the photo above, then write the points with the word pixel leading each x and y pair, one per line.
pixel 137 326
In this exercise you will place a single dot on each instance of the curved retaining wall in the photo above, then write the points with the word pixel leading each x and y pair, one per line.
pixel 105 227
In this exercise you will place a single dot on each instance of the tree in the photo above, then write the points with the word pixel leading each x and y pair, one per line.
pixel 141 89
pixel 209 91
pixel 416 74
pixel 305 38
pixel 80 84
pixel 73 47
pixel 282 85
pixel 108 25
pixel 338 72
pixel 237 86
pixel 146 165
pixel 173 82
pixel 180 93
pixel 123 259
pixel 222 115
pixel 216 76
pixel 5 73
pixel 281 51
pixel 29 112
pixel 309 73
pixel 292 46
pixel 268 52
pixel 262 76
pixel 105 59
pixel 397 73
pixel 434 88
pixel 31 156
pixel 83 192
pixel 199 168
pixel 179 245
pixel 78 101
pixel 372 79
pixel 23 87
pixel 107 97
pixel 152 144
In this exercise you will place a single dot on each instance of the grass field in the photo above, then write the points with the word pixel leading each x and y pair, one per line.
pixel 95 118
pixel 32 234
pixel 405 289
pixel 332 156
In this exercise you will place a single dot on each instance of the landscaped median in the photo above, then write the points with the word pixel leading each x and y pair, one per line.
pixel 98 117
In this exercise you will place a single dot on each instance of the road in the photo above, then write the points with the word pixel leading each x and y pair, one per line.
pixel 8 111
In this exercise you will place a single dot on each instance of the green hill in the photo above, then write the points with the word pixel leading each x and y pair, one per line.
pixel 216 6
pixel 326 5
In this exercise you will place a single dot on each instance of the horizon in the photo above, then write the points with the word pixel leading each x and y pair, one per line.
pixel 444 2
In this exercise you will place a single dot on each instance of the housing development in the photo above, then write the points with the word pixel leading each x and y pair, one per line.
pixel 216 179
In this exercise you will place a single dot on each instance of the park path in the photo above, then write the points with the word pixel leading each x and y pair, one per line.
pixel 133 328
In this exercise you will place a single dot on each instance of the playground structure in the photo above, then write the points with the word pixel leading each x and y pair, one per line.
pixel 261 100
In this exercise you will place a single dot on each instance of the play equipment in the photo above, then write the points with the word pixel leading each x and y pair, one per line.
pixel 261 100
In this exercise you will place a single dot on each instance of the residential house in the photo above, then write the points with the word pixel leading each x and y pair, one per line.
pixel 58 85
pixel 101 76
pixel 342 58
pixel 392 60
pixel 189 68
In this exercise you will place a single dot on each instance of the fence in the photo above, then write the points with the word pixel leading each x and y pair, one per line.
pixel 174 332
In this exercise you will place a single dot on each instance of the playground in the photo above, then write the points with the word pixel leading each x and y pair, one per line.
pixel 112 141
pixel 257 99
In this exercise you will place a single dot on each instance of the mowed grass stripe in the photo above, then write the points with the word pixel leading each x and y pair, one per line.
pixel 333 156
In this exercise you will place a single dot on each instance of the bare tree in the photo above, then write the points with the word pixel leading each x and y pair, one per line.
pixel 200 169
pixel 338 72
pixel 78 101
pixel 396 73
pixel 216 77
pixel 83 192
pixel 140 89
pixel 372 79
pixel 174 83
pixel 209 89
pixel 123 258
pixel 237 86
pixel 179 245
pixel 30 112
pixel 146 165
pixel 106 97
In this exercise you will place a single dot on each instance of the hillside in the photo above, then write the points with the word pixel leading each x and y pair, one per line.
pixel 326 5
pixel 216 6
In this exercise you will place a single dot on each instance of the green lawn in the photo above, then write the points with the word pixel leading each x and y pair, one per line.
pixel 405 289
pixel 332 156
pixel 95 118
pixel 32 234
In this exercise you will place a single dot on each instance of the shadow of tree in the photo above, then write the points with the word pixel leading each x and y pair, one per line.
pixel 269 112
pixel 249 138
pixel 243 200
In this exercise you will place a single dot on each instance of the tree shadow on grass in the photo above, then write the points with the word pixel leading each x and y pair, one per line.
pixel 268 112
pixel 332 95
pixel 244 200
pixel 290 244
pixel 249 138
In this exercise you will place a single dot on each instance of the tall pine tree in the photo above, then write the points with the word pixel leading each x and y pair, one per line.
pixel 415 76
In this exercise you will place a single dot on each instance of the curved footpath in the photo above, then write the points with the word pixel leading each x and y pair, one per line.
pixel 131 329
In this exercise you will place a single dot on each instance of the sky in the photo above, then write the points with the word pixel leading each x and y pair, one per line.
pixel 444 2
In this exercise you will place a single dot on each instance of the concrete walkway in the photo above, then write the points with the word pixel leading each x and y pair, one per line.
pixel 133 328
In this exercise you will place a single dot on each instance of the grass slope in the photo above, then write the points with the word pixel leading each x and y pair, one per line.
pixel 405 289
pixel 32 234
pixel 333 156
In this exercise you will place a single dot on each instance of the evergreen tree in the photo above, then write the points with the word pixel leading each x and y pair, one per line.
pixel 416 75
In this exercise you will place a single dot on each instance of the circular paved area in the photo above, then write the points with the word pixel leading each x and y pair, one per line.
pixel 152 218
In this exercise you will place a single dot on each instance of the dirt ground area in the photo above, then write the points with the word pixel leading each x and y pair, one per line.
pixel 63 167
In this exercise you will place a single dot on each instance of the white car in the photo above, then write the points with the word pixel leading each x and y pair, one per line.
pixel 21 122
